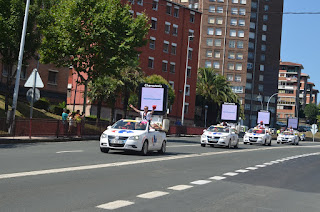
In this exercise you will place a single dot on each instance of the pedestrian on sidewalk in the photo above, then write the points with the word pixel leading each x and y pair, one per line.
pixel 65 116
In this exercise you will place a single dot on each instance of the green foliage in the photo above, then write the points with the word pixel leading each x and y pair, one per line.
pixel 101 36
pixel 311 111
pixel 94 118
pixel 42 103
pixel 157 79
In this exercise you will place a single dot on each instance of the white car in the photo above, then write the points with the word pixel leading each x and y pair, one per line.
pixel 288 137
pixel 257 136
pixel 133 135
pixel 220 136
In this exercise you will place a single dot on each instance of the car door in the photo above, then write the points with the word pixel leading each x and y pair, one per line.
pixel 152 138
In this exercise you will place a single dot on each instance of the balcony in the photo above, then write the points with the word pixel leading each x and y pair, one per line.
pixel 287 87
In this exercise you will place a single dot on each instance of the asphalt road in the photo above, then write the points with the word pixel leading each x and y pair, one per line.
pixel 76 176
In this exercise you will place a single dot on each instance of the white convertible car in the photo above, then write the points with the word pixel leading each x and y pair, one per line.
pixel 257 136
pixel 288 137
pixel 133 135
pixel 220 136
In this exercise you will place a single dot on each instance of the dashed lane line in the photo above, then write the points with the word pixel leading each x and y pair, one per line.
pixel 180 187
pixel 115 204
pixel 126 163
pixel 152 194
pixel 71 151
pixel 217 178
pixel 242 170
pixel 252 168
pixel 201 182
pixel 230 174
pixel 260 166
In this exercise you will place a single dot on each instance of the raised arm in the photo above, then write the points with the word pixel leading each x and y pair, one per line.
pixel 153 108
pixel 135 109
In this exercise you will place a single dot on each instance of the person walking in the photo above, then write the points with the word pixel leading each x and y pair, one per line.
pixel 64 117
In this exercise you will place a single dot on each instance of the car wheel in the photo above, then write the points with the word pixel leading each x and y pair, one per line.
pixel 297 143
pixel 244 142
pixel 229 144
pixel 212 145
pixel 237 145
pixel 104 150
pixel 269 143
pixel 144 150
pixel 163 148
pixel 203 145
pixel 250 143
pixel 278 142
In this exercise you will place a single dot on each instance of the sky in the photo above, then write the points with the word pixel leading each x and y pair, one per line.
pixel 301 37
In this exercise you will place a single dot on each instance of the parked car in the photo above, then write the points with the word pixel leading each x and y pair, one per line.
pixel 288 137
pixel 257 136
pixel 133 135
pixel 220 136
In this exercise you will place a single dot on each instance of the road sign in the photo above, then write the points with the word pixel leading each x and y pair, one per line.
pixel 314 126
pixel 36 95
pixel 34 80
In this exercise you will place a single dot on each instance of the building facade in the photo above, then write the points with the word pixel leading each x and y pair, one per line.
pixel 241 39
pixel 165 54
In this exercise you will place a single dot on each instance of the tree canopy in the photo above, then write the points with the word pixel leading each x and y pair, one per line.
pixel 311 111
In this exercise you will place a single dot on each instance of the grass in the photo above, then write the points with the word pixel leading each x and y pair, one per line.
pixel 309 136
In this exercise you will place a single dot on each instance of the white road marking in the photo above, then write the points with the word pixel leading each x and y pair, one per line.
pixel 252 168
pixel 152 194
pixel 242 170
pixel 126 163
pixel 267 164
pixel 180 187
pixel 184 145
pixel 70 151
pixel 115 204
pixel 231 174
pixel 201 182
pixel 260 166
pixel 217 178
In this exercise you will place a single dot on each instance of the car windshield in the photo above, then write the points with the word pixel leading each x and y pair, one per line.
pixel 130 125
pixel 257 131
pixel 218 129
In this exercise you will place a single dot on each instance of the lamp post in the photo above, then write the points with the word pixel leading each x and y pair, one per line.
pixel 260 97
pixel 185 82
pixel 270 99
pixel 205 115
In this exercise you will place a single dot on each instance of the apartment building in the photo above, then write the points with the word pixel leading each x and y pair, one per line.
pixel 166 54
pixel 289 91
pixel 311 93
pixel 241 39
pixel 303 88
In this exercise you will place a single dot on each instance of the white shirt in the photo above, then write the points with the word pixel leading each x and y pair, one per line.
pixel 145 116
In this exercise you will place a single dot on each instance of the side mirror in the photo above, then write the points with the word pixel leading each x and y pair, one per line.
pixel 109 127
pixel 204 130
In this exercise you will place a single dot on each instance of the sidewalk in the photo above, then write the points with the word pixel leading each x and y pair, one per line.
pixel 34 139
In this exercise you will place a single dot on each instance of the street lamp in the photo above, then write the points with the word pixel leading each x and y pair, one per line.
pixel 205 115
pixel 270 99
pixel 185 82
pixel 260 97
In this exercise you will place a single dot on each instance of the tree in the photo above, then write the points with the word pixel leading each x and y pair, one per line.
pixel 104 89
pixel 11 23
pixel 96 37
pixel 311 111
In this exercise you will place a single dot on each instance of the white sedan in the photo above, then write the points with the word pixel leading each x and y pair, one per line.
pixel 288 137
pixel 220 136
pixel 257 136
pixel 133 135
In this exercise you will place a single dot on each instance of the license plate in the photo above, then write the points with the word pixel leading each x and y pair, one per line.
pixel 114 141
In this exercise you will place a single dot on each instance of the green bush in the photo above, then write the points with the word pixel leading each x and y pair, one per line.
pixel 94 118
pixel 58 109
pixel 42 103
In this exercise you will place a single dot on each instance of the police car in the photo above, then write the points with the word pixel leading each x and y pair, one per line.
pixel 133 135
pixel 288 137
pixel 257 136
pixel 220 136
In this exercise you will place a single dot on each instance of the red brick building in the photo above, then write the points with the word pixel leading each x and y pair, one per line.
pixel 165 55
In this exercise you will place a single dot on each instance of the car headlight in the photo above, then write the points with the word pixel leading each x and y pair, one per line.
pixel 136 137
pixel 103 135
pixel 203 136
pixel 246 137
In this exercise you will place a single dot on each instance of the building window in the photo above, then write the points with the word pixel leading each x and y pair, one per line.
pixel 243 1
pixel 216 65
pixel 208 64
pixel 152 43
pixel 189 71
pixel 250 55
pixel 191 34
pixel 231 55
pixel 167 28
pixel 175 30
pixel 251 45
pixel 254 5
pixel 219 21
pixel 264 38
pixel 210 20
pixel 242 22
pixel 266 8
pixel 172 67
pixel 155 4
pixel 212 9
pixel 237 78
pixel 218 31
pixel 165 46
pixel 230 66
pixel 242 11
pixel 164 65
pixel 261 67
pixel 241 34
pixel 265 28
pixel 171 83
pixel 209 42
pixel 260 87
pixel 249 66
pixel 232 44
pixel 176 12
pixel 140 2
pixel 168 9
pixel 192 17
pixel 263 48
pixel 190 54
pixel 237 89
pixel 249 76
pixel 187 90
pixel 209 53
pixel 265 17
pixel 248 86
pixel 174 48
pixel 238 67
pixel 261 78
pixel 52 77
pixel 240 44
pixel 233 22
pixel 210 31
pixel 252 25
pixel 239 56
pixel 186 107
pixel 153 23
pixel 247 107
pixel 229 77
pixel 235 1
pixel 234 11
pixel 251 35
pixel 217 42
pixel 233 33
pixel 151 62
pixel 262 57
pixel 217 54
pixel 219 9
